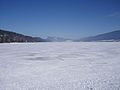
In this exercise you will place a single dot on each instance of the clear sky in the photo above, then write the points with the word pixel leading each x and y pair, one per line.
pixel 62 18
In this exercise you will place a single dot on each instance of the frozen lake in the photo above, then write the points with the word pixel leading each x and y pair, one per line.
pixel 60 66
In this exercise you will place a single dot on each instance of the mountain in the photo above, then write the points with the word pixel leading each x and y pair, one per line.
pixel 57 39
pixel 8 36
pixel 110 36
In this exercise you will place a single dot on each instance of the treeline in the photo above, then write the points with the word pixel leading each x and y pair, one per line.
pixel 7 37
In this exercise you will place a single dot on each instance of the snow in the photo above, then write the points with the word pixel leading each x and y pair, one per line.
pixel 60 66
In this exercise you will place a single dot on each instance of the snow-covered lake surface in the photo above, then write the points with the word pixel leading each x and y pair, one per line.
pixel 60 66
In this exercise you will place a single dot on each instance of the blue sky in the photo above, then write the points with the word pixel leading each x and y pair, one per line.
pixel 62 18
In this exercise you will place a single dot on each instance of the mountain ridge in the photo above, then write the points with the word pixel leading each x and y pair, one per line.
pixel 109 36
pixel 9 36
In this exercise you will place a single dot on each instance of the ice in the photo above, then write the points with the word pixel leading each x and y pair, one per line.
pixel 60 66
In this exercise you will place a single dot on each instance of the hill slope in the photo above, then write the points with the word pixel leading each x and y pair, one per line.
pixel 8 36
pixel 111 36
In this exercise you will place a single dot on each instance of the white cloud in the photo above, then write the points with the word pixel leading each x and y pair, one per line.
pixel 115 14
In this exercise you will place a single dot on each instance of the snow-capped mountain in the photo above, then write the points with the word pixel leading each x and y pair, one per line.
pixel 57 39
